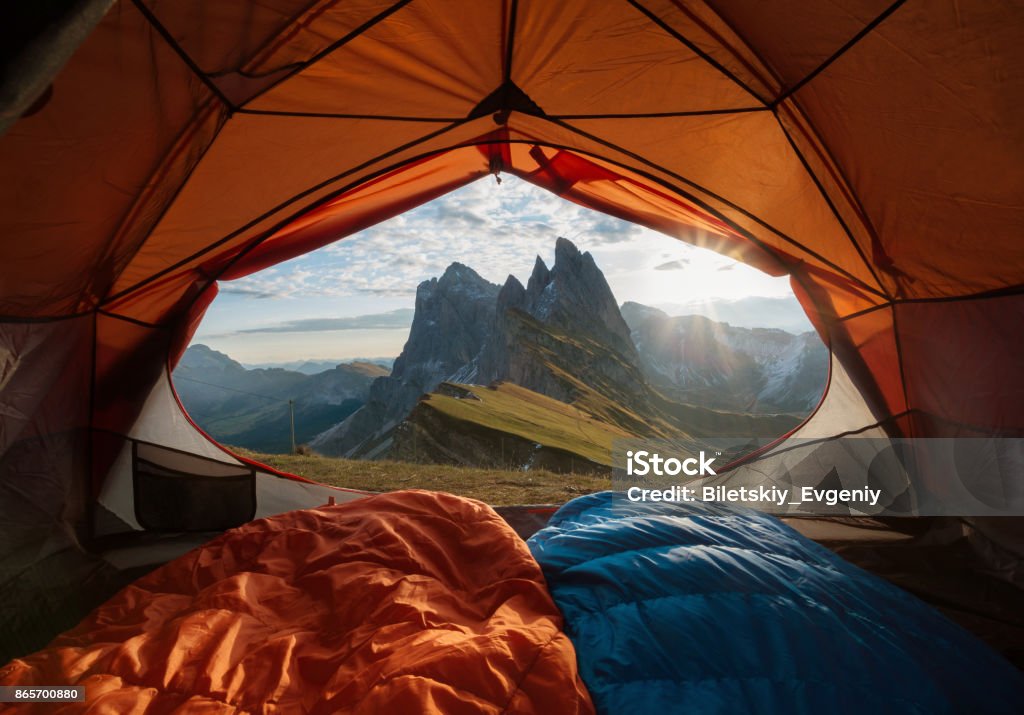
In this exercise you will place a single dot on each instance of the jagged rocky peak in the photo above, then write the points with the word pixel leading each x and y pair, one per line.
pixel 575 295
pixel 636 313
pixel 453 318
pixel 512 294
pixel 540 277
pixel 460 278
pixel 453 315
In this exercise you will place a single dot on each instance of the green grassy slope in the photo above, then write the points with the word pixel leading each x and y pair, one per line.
pixel 517 411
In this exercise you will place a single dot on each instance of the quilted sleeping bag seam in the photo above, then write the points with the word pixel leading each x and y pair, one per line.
pixel 670 547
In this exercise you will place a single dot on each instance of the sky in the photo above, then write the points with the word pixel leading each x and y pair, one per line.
pixel 354 298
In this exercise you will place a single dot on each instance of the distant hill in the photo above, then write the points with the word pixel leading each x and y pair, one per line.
pixel 698 360
pixel 249 407
pixel 780 313
pixel 312 367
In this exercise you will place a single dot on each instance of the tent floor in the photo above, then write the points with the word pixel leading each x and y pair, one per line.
pixel 941 570
pixel 935 564
pixel 56 593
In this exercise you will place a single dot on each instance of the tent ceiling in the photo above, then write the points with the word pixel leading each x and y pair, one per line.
pixel 816 130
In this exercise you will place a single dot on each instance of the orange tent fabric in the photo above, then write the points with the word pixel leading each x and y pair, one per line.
pixel 867 147
pixel 406 602
pixel 870 149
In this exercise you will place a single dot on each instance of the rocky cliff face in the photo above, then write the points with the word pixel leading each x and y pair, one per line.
pixel 565 324
pixel 575 297
pixel 698 360
pixel 454 316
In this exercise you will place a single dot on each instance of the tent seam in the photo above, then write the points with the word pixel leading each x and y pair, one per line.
pixel 831 204
pixel 510 42
pixel 192 126
pixel 864 32
pixel 662 115
pixel 337 44
pixel 295 23
pixel 899 362
pixel 128 319
pixel 696 50
pixel 755 71
pixel 774 105
pixel 91 499
pixel 340 115
pixel 155 23
pixel 819 440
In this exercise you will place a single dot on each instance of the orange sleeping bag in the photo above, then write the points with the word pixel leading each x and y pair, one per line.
pixel 406 602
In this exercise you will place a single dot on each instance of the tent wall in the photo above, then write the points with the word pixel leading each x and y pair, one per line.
pixel 165 443
pixel 972 384
pixel 45 381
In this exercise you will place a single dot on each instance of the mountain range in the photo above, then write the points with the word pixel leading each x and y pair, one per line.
pixel 312 367
pixel 561 337
pixel 694 359
pixel 249 407
pixel 548 374
pixel 780 312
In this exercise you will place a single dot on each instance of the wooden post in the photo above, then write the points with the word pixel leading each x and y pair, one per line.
pixel 291 414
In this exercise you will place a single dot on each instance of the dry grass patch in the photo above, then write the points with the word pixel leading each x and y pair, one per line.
pixel 493 486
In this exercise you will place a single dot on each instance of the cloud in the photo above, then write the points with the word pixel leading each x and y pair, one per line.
pixel 603 230
pixel 459 215
pixel 496 229
pixel 394 319
pixel 727 267
pixel 248 291
pixel 673 265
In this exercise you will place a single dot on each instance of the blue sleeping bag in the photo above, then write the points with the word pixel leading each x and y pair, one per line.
pixel 701 608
